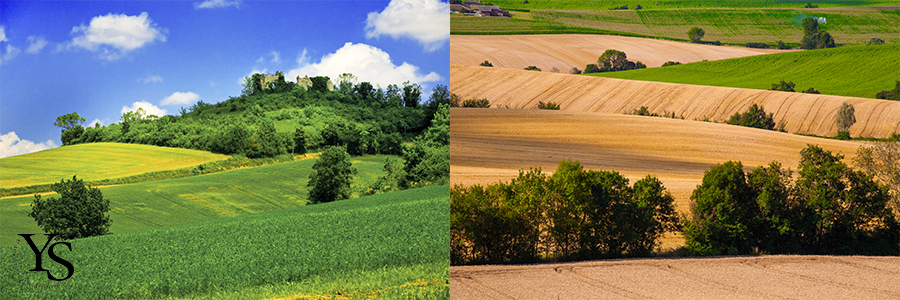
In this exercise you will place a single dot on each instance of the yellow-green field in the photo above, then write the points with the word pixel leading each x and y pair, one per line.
pixel 96 161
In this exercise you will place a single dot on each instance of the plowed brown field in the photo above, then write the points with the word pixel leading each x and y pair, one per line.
pixel 802 113
pixel 565 51
pixel 763 277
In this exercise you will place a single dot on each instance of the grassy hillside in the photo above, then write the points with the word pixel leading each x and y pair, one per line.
pixel 594 5
pixel 727 25
pixel 857 71
pixel 386 246
pixel 178 201
pixel 92 161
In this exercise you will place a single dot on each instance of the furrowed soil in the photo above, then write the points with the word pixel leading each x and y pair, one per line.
pixel 565 51
pixel 761 277
pixel 801 113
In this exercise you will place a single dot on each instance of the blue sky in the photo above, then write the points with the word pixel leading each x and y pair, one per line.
pixel 106 57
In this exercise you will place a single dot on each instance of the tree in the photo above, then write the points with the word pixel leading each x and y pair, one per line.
pixel 69 121
pixel 486 64
pixel 612 60
pixel 695 34
pixel 346 81
pixel 78 212
pixel 755 117
pixel 811 90
pixel 844 119
pixel 412 93
pixel 670 63
pixel 549 105
pixel 882 160
pixel 893 94
pixel 723 209
pixel 813 38
pixel 331 176
pixel 532 68
pixel 875 41
pixel 575 70
pixel 783 86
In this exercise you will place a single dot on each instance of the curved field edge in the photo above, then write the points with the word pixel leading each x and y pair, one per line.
pixel 370 239
pixel 590 5
pixel 97 161
pixel 760 277
pixel 169 202
pixel 802 113
pixel 855 71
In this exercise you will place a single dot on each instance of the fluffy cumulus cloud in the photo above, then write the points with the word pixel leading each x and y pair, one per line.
pixel 149 108
pixel 115 35
pixel 35 44
pixel 427 21
pixel 366 62
pixel 217 4
pixel 11 144
pixel 3 34
pixel 179 98
pixel 11 52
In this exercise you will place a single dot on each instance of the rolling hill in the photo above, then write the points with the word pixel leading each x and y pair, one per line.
pixel 801 113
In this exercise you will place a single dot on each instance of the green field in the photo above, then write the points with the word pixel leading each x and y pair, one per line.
pixel 873 69
pixel 178 201
pixel 650 4
pixel 93 161
pixel 385 246
pixel 730 26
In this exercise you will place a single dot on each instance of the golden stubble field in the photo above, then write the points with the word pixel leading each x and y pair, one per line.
pixel 565 51
pixel 801 113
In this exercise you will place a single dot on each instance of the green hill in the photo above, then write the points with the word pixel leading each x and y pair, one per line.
pixel 96 161
pixel 385 246
pixel 603 5
pixel 873 69
pixel 178 201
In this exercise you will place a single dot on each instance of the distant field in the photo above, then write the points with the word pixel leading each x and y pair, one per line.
pixel 390 246
pixel 604 5
pixel 727 25
pixel 93 161
pixel 801 113
pixel 178 201
pixel 857 71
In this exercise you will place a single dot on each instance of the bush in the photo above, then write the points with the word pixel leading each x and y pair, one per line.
pixel 477 103
pixel 548 105
pixel 893 94
pixel 845 118
pixel 875 41
pixel 810 91
pixel 780 45
pixel 670 63
pixel 532 68
pixel 755 117
pixel 783 86
pixel 812 37
pixel 331 176
pixel 575 71
pixel 486 64
pixel 696 34
pixel 78 212
pixel 757 45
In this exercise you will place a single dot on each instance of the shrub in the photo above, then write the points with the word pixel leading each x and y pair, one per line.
pixel 844 119
pixel 813 38
pixel 891 94
pixel 670 63
pixel 810 91
pixel 755 117
pixel 875 41
pixel 575 71
pixel 477 103
pixel 810 5
pixel 757 45
pixel 331 176
pixel 591 68
pixel 638 7
pixel 78 212
pixel 486 64
pixel 554 70
pixel 783 86
pixel 780 45
pixel 548 105
pixel 532 68
pixel 696 34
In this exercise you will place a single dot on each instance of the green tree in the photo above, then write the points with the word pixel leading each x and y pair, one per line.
pixel 78 212
pixel 331 176
pixel 755 117
pixel 813 38
pixel 844 119
pixel 532 68
pixel 696 34
pixel 612 60
pixel 893 94
pixel 723 211
pixel 783 86
pixel 299 141
pixel 882 160
pixel 72 128
pixel 412 93
pixel 549 105
pixel 486 64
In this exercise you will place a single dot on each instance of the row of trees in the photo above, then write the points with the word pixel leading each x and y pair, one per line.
pixel 572 214
pixel 829 209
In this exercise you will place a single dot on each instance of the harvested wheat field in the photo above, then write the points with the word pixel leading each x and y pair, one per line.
pixel 489 145
pixel 565 51
pixel 801 113
pixel 761 277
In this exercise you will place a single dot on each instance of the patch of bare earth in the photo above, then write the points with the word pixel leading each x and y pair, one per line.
pixel 565 51
pixel 760 277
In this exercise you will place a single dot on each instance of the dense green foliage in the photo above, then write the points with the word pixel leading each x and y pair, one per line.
pixel 264 123
pixel 532 68
pixel 845 118
pixel 331 176
pixel 374 244
pixel 71 125
pixel 695 34
pixel 486 64
pixel 893 94
pixel 670 63
pixel 882 160
pixel 572 214
pixel 613 60
pixel 813 38
pixel 755 117
pixel 873 67
pixel 829 209
pixel 477 103
pixel 783 86
pixel 645 111
pixel 79 211
pixel 549 105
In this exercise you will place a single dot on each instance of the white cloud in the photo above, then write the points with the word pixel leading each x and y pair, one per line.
pixel 116 35
pixel 366 62
pixel 427 21
pixel 35 44
pixel 217 4
pixel 276 57
pixel 151 78
pixel 95 122
pixel 11 52
pixel 3 34
pixel 11 144
pixel 147 106
pixel 179 98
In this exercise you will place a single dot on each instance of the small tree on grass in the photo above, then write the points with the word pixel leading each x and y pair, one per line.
pixel 331 176
pixel 695 34
pixel 845 118
pixel 78 212
pixel 810 91
pixel 783 86
pixel 893 94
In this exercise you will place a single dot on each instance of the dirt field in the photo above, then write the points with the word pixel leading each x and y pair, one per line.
pixel 763 277
pixel 565 51
pixel 802 113
pixel 488 145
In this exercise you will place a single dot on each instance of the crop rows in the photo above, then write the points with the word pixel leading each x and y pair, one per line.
pixel 605 5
